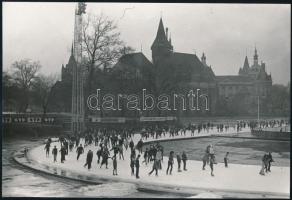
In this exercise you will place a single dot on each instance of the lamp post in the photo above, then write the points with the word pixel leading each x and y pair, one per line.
pixel 258 109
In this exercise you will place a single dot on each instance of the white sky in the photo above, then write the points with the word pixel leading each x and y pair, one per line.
pixel 225 32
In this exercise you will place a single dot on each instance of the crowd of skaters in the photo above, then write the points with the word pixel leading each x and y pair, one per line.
pixel 156 132
pixel 262 124
pixel 111 143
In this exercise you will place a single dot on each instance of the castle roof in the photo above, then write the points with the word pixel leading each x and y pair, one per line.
pixel 131 63
pixel 189 67
pixel 134 60
pixel 262 75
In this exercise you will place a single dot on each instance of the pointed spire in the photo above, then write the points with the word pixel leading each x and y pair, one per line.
pixel 161 39
pixel 203 59
pixel 255 57
pixel 160 32
pixel 246 64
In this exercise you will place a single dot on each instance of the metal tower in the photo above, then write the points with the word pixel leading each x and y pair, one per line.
pixel 77 122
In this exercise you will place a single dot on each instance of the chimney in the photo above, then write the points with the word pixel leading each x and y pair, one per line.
pixel 166 30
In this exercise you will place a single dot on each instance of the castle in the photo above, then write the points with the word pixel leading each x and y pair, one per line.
pixel 170 71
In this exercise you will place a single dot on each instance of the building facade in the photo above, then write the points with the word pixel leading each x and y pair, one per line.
pixel 175 72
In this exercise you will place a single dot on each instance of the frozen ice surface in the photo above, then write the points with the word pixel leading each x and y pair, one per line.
pixel 237 177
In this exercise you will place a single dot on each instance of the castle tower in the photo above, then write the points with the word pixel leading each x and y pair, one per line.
pixel 161 47
pixel 246 64
pixel 203 59
pixel 77 111
pixel 245 68
pixel 255 57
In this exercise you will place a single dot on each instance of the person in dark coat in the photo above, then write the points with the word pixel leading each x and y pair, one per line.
pixel 184 159
pixel 131 145
pixel 96 140
pixel 154 152
pixel 132 165
pixel 140 145
pixel 79 151
pixel 226 159
pixel 115 165
pixel 89 159
pixel 269 160
pixel 205 159
pixel 264 164
pixel 212 162
pixel 55 152
pixel 47 148
pixel 155 167
pixel 170 163
pixel 105 156
pixel 116 149
pixel 71 145
pixel 99 153
pixel 178 159
pixel 63 153
pixel 137 165
pixel 145 156
pixel 66 144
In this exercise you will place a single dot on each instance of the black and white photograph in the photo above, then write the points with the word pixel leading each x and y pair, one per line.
pixel 146 100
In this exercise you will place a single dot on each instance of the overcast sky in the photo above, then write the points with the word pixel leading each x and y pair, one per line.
pixel 225 32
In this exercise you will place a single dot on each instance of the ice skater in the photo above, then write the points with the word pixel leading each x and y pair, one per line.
pixel 79 151
pixel 269 160
pixel 212 162
pixel 226 159
pixel 55 152
pixel 99 152
pixel 132 165
pixel 137 165
pixel 154 167
pixel 184 159
pixel 178 159
pixel 115 166
pixel 170 163
pixel 105 156
pixel 205 160
pixel 47 148
pixel 145 156
pixel 63 153
pixel 89 159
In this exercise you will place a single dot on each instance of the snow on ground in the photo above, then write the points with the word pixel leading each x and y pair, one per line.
pixel 236 177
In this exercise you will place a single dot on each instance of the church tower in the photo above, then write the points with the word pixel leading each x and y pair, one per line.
pixel 161 46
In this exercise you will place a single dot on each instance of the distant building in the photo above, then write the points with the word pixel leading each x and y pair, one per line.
pixel 171 71
pixel 251 80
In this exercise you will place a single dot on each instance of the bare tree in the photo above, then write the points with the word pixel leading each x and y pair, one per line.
pixel 25 73
pixel 102 44
pixel 42 88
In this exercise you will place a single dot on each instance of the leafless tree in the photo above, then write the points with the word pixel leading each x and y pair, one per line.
pixel 25 73
pixel 102 44
pixel 42 88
